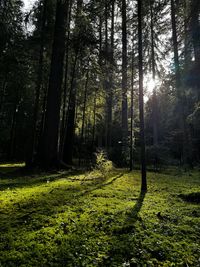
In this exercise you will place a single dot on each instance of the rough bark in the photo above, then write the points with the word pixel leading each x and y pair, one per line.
pixel 49 156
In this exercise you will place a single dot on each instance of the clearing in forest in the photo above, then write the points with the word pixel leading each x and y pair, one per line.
pixel 86 219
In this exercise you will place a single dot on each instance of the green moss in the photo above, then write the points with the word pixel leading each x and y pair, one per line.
pixel 63 219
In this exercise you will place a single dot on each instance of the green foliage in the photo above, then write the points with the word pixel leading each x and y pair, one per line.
pixel 75 219
pixel 102 163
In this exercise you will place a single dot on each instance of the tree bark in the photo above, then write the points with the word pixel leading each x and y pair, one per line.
pixel 155 102
pixel 49 156
pixel 34 135
pixel 83 116
pixel 132 111
pixel 141 100
pixel 179 88
pixel 67 154
pixel 124 79
pixel 65 86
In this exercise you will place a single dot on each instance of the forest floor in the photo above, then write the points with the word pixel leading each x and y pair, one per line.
pixel 88 219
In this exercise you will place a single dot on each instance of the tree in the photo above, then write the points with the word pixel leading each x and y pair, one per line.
pixel 155 104
pixel 179 88
pixel 48 154
pixel 33 142
pixel 124 79
pixel 141 101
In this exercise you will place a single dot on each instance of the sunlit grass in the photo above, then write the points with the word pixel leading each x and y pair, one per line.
pixel 86 219
pixel 12 165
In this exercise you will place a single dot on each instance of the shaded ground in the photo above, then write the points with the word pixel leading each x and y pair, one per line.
pixel 74 219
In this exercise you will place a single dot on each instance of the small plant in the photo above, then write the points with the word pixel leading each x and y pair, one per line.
pixel 103 165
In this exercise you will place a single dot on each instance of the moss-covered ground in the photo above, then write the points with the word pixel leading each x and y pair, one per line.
pixel 86 219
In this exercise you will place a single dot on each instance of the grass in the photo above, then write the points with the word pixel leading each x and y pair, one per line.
pixel 86 219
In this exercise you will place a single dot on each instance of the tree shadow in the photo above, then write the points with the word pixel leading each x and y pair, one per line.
pixel 35 213
pixel 132 216
pixel 122 249
pixel 13 177
pixel 48 202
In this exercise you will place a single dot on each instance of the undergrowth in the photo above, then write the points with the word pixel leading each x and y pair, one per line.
pixel 91 219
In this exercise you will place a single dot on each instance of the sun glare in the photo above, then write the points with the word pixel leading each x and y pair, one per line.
pixel 149 85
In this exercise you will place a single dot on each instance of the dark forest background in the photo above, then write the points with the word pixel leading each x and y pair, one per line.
pixel 72 80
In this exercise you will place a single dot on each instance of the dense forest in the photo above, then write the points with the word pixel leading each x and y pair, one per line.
pixel 106 85
pixel 74 77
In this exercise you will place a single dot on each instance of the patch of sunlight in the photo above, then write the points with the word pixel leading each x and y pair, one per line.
pixel 12 165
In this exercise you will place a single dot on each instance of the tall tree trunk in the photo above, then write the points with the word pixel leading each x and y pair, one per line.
pixel 48 155
pixel 179 88
pixel 13 133
pixel 65 86
pixel 141 100
pixel 110 83
pixel 67 153
pixel 83 116
pixel 94 119
pixel 106 79
pixel 34 134
pixel 68 142
pixel 124 79
pixel 132 111
pixel 155 101
pixel 195 28
pixel 100 40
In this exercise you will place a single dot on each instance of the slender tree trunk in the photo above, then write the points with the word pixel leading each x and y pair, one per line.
pixel 94 120
pixel 132 111
pixel 67 154
pixel 13 133
pixel 110 87
pixel 100 40
pixel 68 145
pixel 141 100
pixel 155 102
pixel 106 79
pixel 4 84
pixel 179 88
pixel 124 79
pixel 83 116
pixel 34 134
pixel 49 156
pixel 195 28
pixel 65 87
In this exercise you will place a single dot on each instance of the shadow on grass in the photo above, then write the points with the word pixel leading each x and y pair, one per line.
pixel 31 216
pixel 192 197
pixel 51 201
pixel 19 177
pixel 122 246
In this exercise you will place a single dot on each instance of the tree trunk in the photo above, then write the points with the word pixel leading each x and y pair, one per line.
pixel 141 100
pixel 83 116
pixel 94 119
pixel 65 87
pixel 13 133
pixel 179 88
pixel 67 153
pixel 49 156
pixel 110 83
pixel 155 103
pixel 34 134
pixel 195 28
pixel 124 79
pixel 132 111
